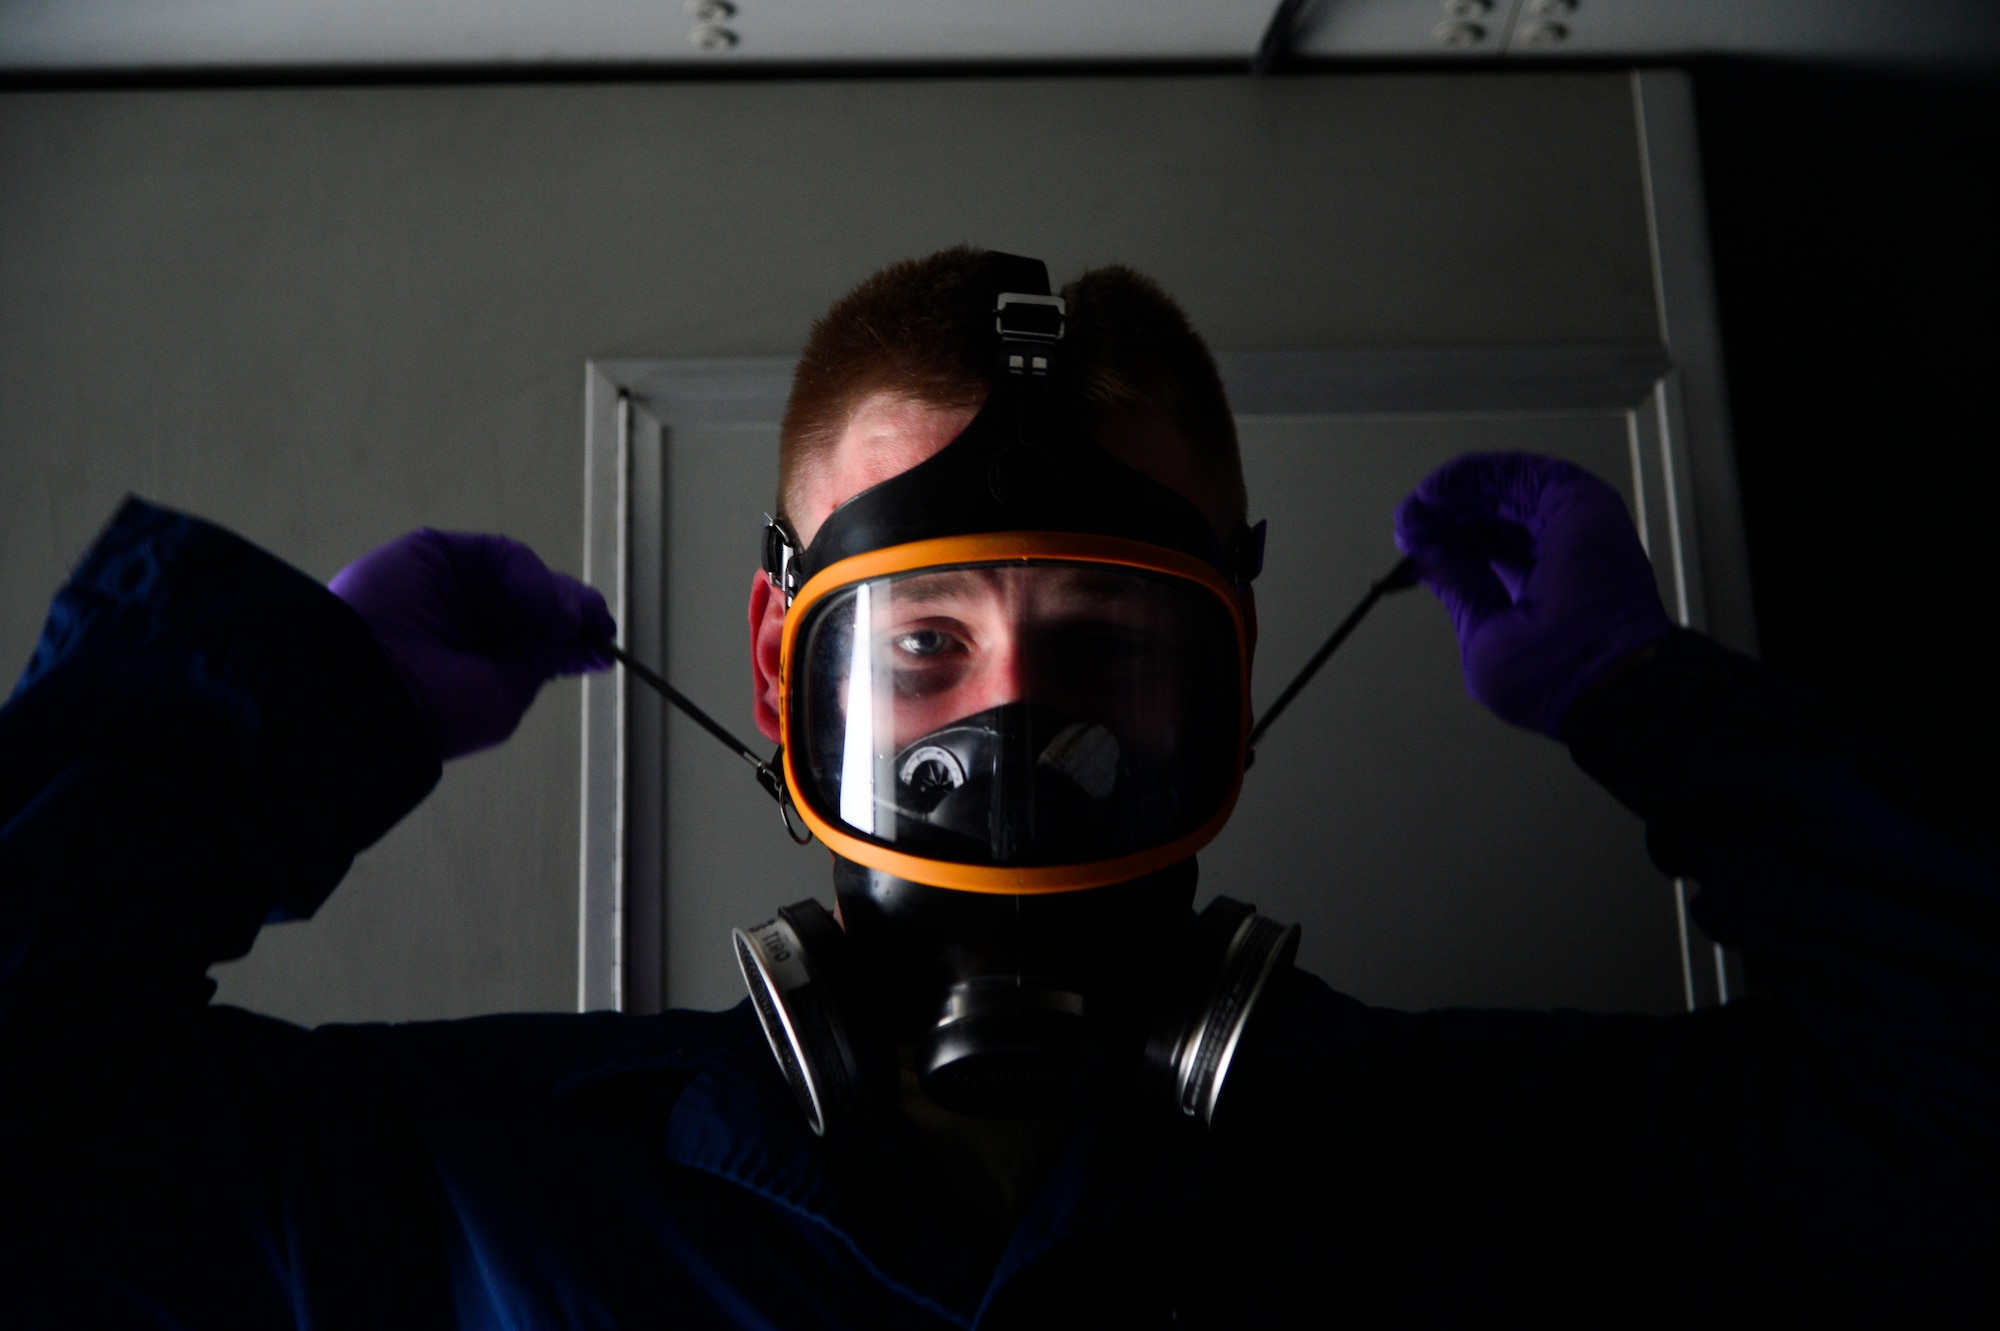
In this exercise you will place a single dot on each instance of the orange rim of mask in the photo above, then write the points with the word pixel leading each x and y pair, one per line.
pixel 1003 548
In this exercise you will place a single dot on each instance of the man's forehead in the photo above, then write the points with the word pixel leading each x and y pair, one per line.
pixel 886 435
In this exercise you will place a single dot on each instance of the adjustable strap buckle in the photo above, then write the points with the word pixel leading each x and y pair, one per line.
pixel 1029 327
pixel 781 553
pixel 1243 558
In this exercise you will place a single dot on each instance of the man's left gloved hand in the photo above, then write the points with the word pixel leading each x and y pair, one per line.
pixel 475 625
pixel 1544 577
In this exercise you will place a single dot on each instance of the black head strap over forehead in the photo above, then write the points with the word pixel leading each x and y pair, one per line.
pixel 1025 463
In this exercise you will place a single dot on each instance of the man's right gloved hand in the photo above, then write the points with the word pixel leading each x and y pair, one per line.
pixel 475 625
pixel 1547 585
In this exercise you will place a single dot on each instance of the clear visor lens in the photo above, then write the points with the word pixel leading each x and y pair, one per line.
pixel 1020 713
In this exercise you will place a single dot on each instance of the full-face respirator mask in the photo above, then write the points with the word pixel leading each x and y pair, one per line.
pixel 1013 702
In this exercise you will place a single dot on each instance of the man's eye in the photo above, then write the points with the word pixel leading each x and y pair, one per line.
pixel 923 642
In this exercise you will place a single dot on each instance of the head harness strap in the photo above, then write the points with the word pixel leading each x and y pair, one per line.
pixel 1025 463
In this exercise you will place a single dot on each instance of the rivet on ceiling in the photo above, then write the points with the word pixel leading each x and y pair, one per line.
pixel 709 34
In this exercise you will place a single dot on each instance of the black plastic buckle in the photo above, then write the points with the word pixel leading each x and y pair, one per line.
pixel 781 552
pixel 1244 559
pixel 1029 327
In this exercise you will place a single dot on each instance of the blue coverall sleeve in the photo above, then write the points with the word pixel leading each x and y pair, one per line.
pixel 1844 1121
pixel 203 739
pixel 1876 933
pixel 1823 1151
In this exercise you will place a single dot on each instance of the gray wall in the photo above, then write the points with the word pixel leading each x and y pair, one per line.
pixel 323 316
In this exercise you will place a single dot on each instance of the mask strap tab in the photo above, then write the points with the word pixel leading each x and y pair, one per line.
pixel 1244 559
pixel 1029 328
pixel 1028 318
pixel 781 552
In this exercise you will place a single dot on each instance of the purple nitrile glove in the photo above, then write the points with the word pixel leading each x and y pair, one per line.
pixel 1544 577
pixel 475 625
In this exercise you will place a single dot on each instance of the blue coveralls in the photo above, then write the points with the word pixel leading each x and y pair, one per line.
pixel 205 738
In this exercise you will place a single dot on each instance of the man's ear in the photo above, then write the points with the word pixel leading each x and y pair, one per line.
pixel 767 631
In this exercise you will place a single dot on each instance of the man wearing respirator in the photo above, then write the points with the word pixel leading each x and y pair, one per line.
pixel 1003 634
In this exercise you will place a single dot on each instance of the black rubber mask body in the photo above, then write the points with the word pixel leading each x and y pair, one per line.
pixel 1016 1006
pixel 1014 1003
pixel 1025 463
